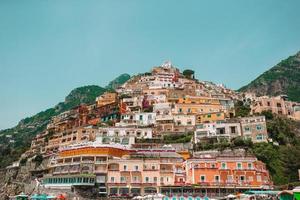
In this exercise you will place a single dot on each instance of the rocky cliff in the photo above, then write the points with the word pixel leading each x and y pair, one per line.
pixel 284 78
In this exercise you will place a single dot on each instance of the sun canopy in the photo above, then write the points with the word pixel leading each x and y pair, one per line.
pixel 257 192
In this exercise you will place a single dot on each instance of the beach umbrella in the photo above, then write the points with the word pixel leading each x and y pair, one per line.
pixel 22 196
pixel 138 197
pixel 159 195
pixel 61 197
pixel 51 197
pixel 231 196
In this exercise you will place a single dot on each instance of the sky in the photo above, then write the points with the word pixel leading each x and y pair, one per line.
pixel 49 47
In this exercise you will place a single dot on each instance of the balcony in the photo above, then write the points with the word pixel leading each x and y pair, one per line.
pixel 149 184
pixel 124 171
pixel 179 183
pixel 101 162
pixel 150 169
pixel 166 171
pixel 88 161
pixel 138 183
pixel 202 183
pixel 116 184
pixel 113 169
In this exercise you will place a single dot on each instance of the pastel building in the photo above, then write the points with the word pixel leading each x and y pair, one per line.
pixel 226 172
pixel 70 136
pixel 254 128
pixel 278 105
pixel 200 105
pixel 145 172
pixel 106 98
pixel 82 164
pixel 210 117
pixel 122 135
pixel 217 131
pixel 137 119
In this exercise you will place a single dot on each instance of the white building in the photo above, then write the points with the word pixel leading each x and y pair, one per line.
pixel 184 120
pixel 217 131
pixel 122 135
pixel 137 119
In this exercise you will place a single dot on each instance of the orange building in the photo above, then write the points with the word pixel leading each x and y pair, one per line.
pixel 228 170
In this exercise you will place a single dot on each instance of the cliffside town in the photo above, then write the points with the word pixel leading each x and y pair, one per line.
pixel 142 138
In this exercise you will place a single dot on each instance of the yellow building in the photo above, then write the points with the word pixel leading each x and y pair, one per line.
pixel 209 117
pixel 106 98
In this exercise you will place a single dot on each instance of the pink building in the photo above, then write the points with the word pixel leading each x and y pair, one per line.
pixel 145 172
pixel 278 105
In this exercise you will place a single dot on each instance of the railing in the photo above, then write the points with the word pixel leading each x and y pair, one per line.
pixel 166 171
pixel 116 183
pixel 149 184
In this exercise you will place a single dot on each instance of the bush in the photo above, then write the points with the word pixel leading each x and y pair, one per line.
pixel 38 159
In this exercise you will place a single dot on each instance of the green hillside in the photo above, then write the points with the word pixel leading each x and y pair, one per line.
pixel 284 78
pixel 16 140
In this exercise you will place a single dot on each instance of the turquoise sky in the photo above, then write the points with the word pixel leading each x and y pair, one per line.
pixel 49 47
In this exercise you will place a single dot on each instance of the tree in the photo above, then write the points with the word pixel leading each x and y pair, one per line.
pixel 241 110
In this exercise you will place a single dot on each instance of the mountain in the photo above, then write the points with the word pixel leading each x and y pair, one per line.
pixel 283 78
pixel 16 140
pixel 120 80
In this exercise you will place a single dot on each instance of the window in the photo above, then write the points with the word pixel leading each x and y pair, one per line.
pixel 213 165
pixel 153 167
pixel 135 179
pixel 249 165
pixel 79 180
pixel 239 165
pixel 180 110
pixel 247 129
pixel 189 110
pixel 85 180
pixel 217 178
pixel 209 116
pixel 122 179
pixel 259 137
pixel 154 179
pixel 242 178
pixel 250 178
pixel 229 178
pixel 202 178
pixel 232 129
pixel 147 179
pixel 223 166
pixel 259 127
pixel 258 178
pixel 141 117
pixel 112 179
pixel 218 114
pixel 279 105
pixel 162 179
pixel 136 167
pixel 125 167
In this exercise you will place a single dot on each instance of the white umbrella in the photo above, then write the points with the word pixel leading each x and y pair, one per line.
pixel 160 195
pixel 138 197
pixel 231 196
pixel 149 196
